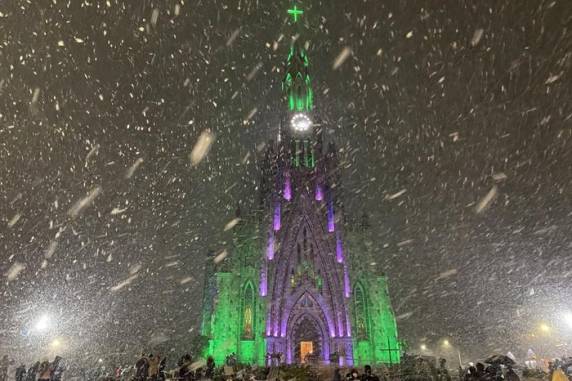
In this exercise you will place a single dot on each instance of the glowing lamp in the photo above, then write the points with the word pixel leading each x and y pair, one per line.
pixel 43 323
pixel 568 318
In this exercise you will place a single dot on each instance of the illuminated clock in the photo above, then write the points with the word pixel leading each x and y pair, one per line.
pixel 301 123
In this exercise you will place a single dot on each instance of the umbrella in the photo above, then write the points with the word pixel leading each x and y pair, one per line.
pixel 500 359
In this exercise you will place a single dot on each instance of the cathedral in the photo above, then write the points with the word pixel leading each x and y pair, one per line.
pixel 298 284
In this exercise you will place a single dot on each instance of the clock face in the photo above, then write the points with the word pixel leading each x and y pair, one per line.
pixel 301 123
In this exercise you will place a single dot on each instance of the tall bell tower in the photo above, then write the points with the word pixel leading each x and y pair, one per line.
pixel 308 285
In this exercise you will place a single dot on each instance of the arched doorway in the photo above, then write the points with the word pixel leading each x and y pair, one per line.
pixel 307 340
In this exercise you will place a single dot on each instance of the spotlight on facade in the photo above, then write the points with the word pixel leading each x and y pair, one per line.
pixel 301 122
pixel 446 343
pixel 423 347
pixel 544 328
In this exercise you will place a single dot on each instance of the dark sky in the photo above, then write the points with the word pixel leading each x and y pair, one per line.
pixel 453 121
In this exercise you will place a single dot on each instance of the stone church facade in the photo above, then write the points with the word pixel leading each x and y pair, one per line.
pixel 298 283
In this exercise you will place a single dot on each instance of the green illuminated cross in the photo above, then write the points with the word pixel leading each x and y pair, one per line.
pixel 295 12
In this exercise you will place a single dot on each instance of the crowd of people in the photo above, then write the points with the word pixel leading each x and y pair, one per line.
pixel 150 368
pixel 558 370
pixel 39 371
pixel 153 367
pixel 493 372
pixel 354 375
pixel 423 370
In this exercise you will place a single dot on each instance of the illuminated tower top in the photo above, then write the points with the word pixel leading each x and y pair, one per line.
pixel 297 85
pixel 295 13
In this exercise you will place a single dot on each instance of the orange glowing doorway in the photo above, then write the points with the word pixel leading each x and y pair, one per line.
pixel 306 348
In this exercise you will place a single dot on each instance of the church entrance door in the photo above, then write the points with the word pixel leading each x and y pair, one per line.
pixel 306 348
pixel 307 343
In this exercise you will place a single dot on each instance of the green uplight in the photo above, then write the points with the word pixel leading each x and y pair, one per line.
pixel 295 13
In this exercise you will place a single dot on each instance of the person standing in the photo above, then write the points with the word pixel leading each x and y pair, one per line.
pixel 57 369
pixel 45 371
pixel 210 368
pixel 118 372
pixel 4 364
pixel 142 368
pixel 511 375
pixel 353 375
pixel 558 375
pixel 368 375
pixel 185 367
pixel 32 372
pixel 153 367
pixel 443 372
pixel 21 373
pixel 162 368
pixel 337 375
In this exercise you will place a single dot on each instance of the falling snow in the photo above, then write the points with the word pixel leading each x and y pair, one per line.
pixel 132 133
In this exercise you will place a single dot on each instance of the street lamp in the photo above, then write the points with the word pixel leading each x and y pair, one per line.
pixel 423 347
pixel 446 343
pixel 545 328
pixel 568 318
pixel 43 323
pixel 56 343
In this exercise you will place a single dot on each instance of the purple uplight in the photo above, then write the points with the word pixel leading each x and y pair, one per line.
pixel 287 187
pixel 331 224
pixel 277 217
pixel 319 192
pixel 270 247
pixel 263 281
pixel 283 324
pixel 268 330
pixel 339 250
pixel 347 288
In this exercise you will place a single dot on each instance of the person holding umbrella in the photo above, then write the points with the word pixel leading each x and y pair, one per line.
pixel 494 370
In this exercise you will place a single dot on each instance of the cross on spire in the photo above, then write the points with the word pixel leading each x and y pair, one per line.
pixel 295 12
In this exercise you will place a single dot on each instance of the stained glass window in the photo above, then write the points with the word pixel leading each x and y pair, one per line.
pixel 248 312
pixel 360 311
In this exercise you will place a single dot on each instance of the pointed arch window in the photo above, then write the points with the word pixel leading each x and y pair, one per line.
pixel 306 301
pixel 360 312
pixel 248 311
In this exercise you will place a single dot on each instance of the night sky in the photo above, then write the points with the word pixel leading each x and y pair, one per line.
pixel 453 121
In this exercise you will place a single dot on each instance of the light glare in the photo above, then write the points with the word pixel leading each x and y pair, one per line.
pixel 568 318
pixel 56 343
pixel 43 323
pixel 301 123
